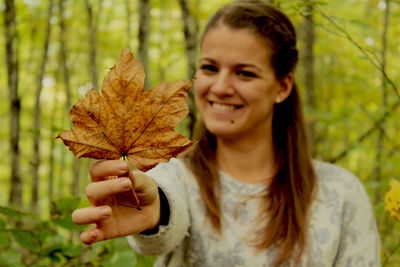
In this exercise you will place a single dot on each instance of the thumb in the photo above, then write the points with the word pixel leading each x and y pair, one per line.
pixel 145 187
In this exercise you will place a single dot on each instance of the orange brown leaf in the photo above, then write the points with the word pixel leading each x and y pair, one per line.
pixel 128 121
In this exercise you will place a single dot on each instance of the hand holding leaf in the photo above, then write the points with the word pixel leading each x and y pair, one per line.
pixel 125 121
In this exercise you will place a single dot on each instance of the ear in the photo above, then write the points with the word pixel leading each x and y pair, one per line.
pixel 286 86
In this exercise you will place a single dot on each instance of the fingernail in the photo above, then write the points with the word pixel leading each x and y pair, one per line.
pixel 93 235
pixel 105 212
pixel 123 164
pixel 125 183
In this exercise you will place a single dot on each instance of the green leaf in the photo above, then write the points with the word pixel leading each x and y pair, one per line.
pixel 71 251
pixel 3 239
pixel 3 224
pixel 52 249
pixel 10 212
pixel 11 257
pixel 61 211
pixel 144 261
pixel 26 239
pixel 66 204
pixel 67 223
pixel 55 257
pixel 360 23
pixel 43 231
pixel 123 256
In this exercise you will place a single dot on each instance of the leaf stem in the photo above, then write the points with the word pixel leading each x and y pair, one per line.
pixel 133 191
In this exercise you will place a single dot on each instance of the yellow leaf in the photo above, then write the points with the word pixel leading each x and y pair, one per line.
pixel 392 199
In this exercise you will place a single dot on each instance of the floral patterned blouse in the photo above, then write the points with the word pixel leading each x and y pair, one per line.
pixel 342 229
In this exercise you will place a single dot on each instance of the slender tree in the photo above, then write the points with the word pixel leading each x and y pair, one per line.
pixel 92 25
pixel 52 149
pixel 190 31
pixel 143 36
pixel 381 134
pixel 162 45
pixel 37 112
pixel 67 85
pixel 128 23
pixel 63 53
pixel 308 61
pixel 15 197
pixel 60 174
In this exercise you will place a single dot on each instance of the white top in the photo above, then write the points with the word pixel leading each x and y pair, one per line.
pixel 342 229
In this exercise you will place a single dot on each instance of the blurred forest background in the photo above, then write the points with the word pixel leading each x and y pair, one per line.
pixel 54 51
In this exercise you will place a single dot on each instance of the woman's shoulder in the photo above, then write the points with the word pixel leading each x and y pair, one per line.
pixel 335 178
pixel 328 172
pixel 174 167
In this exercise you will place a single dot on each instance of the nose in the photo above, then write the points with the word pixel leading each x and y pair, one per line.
pixel 222 84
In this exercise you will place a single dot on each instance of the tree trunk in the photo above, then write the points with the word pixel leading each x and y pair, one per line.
pixel 61 173
pixel 162 45
pixel 92 28
pixel 15 198
pixel 67 84
pixel 381 134
pixel 143 36
pixel 190 30
pixel 308 61
pixel 36 118
pixel 63 53
pixel 52 148
pixel 128 23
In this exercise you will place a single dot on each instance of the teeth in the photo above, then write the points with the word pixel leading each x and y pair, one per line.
pixel 223 107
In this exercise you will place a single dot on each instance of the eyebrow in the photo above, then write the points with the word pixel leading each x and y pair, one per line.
pixel 241 65
pixel 208 59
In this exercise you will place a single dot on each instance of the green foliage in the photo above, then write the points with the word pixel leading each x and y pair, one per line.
pixel 348 95
pixel 45 243
pixel 26 239
pixel 10 257
pixel 61 211
pixel 9 212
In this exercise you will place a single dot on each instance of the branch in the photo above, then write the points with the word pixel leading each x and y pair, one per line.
pixel 367 133
pixel 378 64
pixel 391 254
pixel 393 143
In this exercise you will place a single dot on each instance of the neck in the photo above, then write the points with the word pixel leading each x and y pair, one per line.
pixel 247 160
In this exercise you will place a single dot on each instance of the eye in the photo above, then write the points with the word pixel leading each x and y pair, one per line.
pixel 208 68
pixel 246 74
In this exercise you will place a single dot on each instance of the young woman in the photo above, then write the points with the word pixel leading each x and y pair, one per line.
pixel 248 194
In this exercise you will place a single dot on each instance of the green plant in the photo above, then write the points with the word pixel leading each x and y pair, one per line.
pixel 27 241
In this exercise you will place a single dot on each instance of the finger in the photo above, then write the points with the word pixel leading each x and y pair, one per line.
pixel 140 180
pixel 91 236
pixel 91 215
pixel 98 191
pixel 103 168
pixel 145 187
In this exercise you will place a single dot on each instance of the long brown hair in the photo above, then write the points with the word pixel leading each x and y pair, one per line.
pixel 289 196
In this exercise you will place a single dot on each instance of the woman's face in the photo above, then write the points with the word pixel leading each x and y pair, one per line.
pixel 235 85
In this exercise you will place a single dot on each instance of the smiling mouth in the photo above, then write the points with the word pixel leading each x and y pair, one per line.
pixel 224 107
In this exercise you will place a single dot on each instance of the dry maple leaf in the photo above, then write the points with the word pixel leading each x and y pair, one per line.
pixel 128 121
